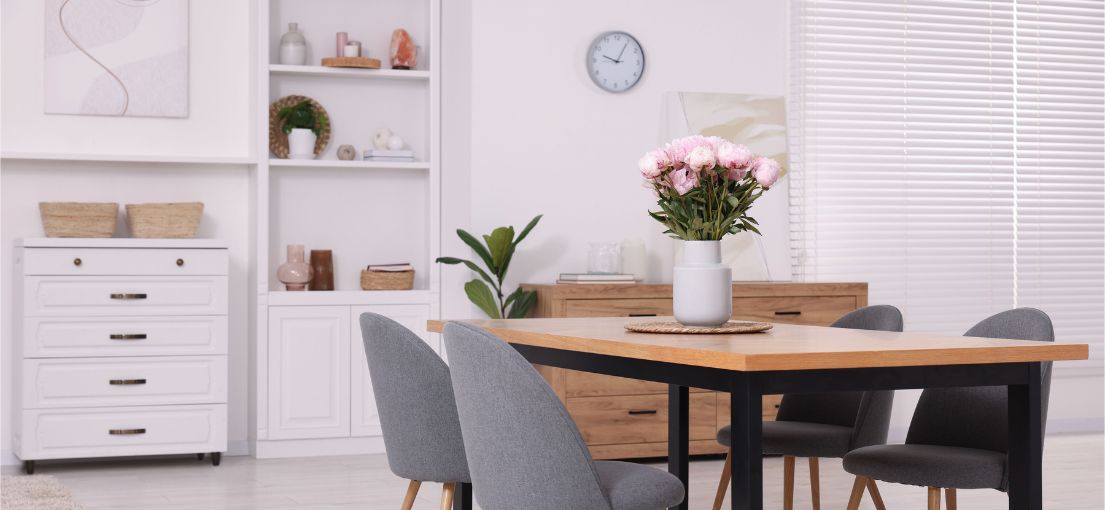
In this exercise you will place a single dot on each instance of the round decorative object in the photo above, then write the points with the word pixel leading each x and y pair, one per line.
pixel 615 61
pixel 396 143
pixel 675 328
pixel 347 152
pixel 278 141
pixel 382 137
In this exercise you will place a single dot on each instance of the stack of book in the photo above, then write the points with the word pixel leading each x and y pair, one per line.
pixel 595 278
pixel 392 268
pixel 403 155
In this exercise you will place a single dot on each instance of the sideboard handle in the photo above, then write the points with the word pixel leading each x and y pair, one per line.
pixel 789 312
pixel 126 297
pixel 123 336
pixel 638 412
pixel 77 261
pixel 642 315
pixel 126 382
pixel 180 262
pixel 126 432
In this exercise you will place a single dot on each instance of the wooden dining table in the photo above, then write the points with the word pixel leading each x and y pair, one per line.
pixel 794 359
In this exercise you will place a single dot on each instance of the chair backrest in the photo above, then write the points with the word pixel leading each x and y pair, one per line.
pixel 977 417
pixel 867 412
pixel 524 450
pixel 414 396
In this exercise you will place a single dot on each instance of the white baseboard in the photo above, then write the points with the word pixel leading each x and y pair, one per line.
pixel 271 449
pixel 236 447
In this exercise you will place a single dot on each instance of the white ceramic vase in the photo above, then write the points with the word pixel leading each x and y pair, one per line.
pixel 702 286
pixel 301 144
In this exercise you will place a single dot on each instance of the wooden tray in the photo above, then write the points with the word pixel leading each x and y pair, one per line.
pixel 358 62
pixel 728 328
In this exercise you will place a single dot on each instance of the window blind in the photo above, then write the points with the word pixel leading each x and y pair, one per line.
pixel 950 154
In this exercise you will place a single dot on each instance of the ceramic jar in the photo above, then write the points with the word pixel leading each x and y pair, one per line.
pixel 293 46
pixel 702 287
pixel 295 273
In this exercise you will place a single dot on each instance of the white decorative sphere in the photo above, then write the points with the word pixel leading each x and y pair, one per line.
pixel 396 143
pixel 383 136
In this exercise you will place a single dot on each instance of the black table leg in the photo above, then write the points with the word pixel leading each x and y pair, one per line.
pixel 746 415
pixel 1026 443
pixel 462 497
pixel 679 437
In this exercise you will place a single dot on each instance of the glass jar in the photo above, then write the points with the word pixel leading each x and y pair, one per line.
pixel 604 258
pixel 293 46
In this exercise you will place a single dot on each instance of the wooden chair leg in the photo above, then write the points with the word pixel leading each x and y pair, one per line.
pixel 815 483
pixel 788 482
pixel 447 491
pixel 723 485
pixel 857 493
pixel 949 493
pixel 934 498
pixel 412 491
pixel 875 496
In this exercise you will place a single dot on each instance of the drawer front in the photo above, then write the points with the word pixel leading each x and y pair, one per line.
pixel 107 432
pixel 639 419
pixel 124 261
pixel 46 296
pixel 809 310
pixel 123 336
pixel 769 408
pixel 586 384
pixel 105 382
pixel 617 307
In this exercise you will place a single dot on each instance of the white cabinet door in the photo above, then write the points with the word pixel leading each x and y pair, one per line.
pixel 365 419
pixel 308 372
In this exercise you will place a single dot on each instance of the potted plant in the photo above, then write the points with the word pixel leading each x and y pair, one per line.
pixel 496 252
pixel 704 187
pixel 302 123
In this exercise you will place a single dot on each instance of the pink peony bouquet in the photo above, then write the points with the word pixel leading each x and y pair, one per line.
pixel 706 185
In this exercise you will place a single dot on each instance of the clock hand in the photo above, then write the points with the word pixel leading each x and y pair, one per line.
pixel 610 59
pixel 622 52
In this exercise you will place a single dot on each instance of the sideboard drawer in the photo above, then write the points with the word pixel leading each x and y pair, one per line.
pixel 117 431
pixel 123 336
pixel 102 382
pixel 617 307
pixel 124 262
pixel 809 310
pixel 587 384
pixel 46 296
pixel 639 418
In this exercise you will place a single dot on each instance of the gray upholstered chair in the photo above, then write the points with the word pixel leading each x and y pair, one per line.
pixel 414 396
pixel 828 425
pixel 969 451
pixel 524 450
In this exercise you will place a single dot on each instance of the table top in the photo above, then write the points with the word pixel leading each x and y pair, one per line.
pixel 784 347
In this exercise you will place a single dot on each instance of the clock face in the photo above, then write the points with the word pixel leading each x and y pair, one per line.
pixel 615 61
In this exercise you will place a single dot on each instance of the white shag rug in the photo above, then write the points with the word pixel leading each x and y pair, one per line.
pixel 35 492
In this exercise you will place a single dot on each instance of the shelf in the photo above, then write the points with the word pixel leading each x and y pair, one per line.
pixel 118 242
pixel 350 297
pixel 341 72
pixel 356 163
pixel 129 158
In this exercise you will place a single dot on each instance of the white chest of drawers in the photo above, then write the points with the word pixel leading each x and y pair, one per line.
pixel 120 347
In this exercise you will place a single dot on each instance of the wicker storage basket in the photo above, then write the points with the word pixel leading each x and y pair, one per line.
pixel 164 220
pixel 78 219
pixel 387 280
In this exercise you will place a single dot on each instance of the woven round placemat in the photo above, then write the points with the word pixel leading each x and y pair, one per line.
pixel 278 141
pixel 730 327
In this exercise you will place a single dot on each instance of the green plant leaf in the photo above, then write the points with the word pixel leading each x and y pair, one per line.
pixel 498 242
pixel 471 265
pixel 480 295
pixel 477 247
pixel 522 304
pixel 525 231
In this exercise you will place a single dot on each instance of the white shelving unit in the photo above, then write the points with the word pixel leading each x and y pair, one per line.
pixel 311 395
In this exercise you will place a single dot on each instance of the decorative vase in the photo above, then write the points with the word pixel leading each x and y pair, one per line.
pixel 301 144
pixel 322 265
pixel 702 287
pixel 295 273
pixel 293 46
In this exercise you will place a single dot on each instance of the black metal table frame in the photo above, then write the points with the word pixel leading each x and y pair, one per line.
pixel 747 388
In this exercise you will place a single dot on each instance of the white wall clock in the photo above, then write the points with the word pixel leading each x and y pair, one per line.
pixel 615 61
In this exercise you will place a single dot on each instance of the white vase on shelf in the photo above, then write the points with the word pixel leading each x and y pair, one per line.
pixel 293 46
pixel 702 287
pixel 301 144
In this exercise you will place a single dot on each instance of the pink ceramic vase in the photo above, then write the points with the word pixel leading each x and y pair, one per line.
pixel 296 272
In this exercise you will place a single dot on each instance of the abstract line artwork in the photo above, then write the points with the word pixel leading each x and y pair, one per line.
pixel 121 58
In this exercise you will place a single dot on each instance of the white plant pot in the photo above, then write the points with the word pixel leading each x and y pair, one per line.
pixel 702 286
pixel 301 144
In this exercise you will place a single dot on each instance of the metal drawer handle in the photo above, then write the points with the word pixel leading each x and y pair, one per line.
pixel 77 261
pixel 642 315
pixel 639 412
pixel 126 432
pixel 180 262
pixel 789 312
pixel 134 336
pixel 128 296
pixel 126 382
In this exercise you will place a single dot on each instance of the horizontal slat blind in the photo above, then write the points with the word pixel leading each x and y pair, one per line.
pixel 950 153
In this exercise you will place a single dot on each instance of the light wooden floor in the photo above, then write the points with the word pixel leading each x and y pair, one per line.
pixel 1073 480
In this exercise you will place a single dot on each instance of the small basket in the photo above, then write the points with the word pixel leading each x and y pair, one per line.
pixel 164 221
pixel 387 280
pixel 78 219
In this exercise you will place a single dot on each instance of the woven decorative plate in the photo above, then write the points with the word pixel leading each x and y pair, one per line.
pixel 730 327
pixel 278 141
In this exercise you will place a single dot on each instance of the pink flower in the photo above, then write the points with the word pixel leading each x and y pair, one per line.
pixel 766 171
pixel 653 164
pixel 733 157
pixel 701 159
pixel 683 181
pixel 679 148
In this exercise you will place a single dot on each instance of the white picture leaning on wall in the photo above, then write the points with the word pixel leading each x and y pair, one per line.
pixel 116 57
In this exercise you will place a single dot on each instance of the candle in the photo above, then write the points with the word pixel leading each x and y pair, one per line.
pixel 352 50
pixel 343 39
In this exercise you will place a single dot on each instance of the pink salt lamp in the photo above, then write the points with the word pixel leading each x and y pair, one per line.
pixel 403 53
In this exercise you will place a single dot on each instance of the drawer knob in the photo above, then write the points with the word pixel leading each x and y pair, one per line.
pixel 126 297
pixel 77 261
pixel 126 382
pixel 640 412
pixel 124 336
pixel 179 262
pixel 126 432
pixel 789 312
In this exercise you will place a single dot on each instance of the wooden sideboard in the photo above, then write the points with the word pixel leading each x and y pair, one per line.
pixel 626 418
